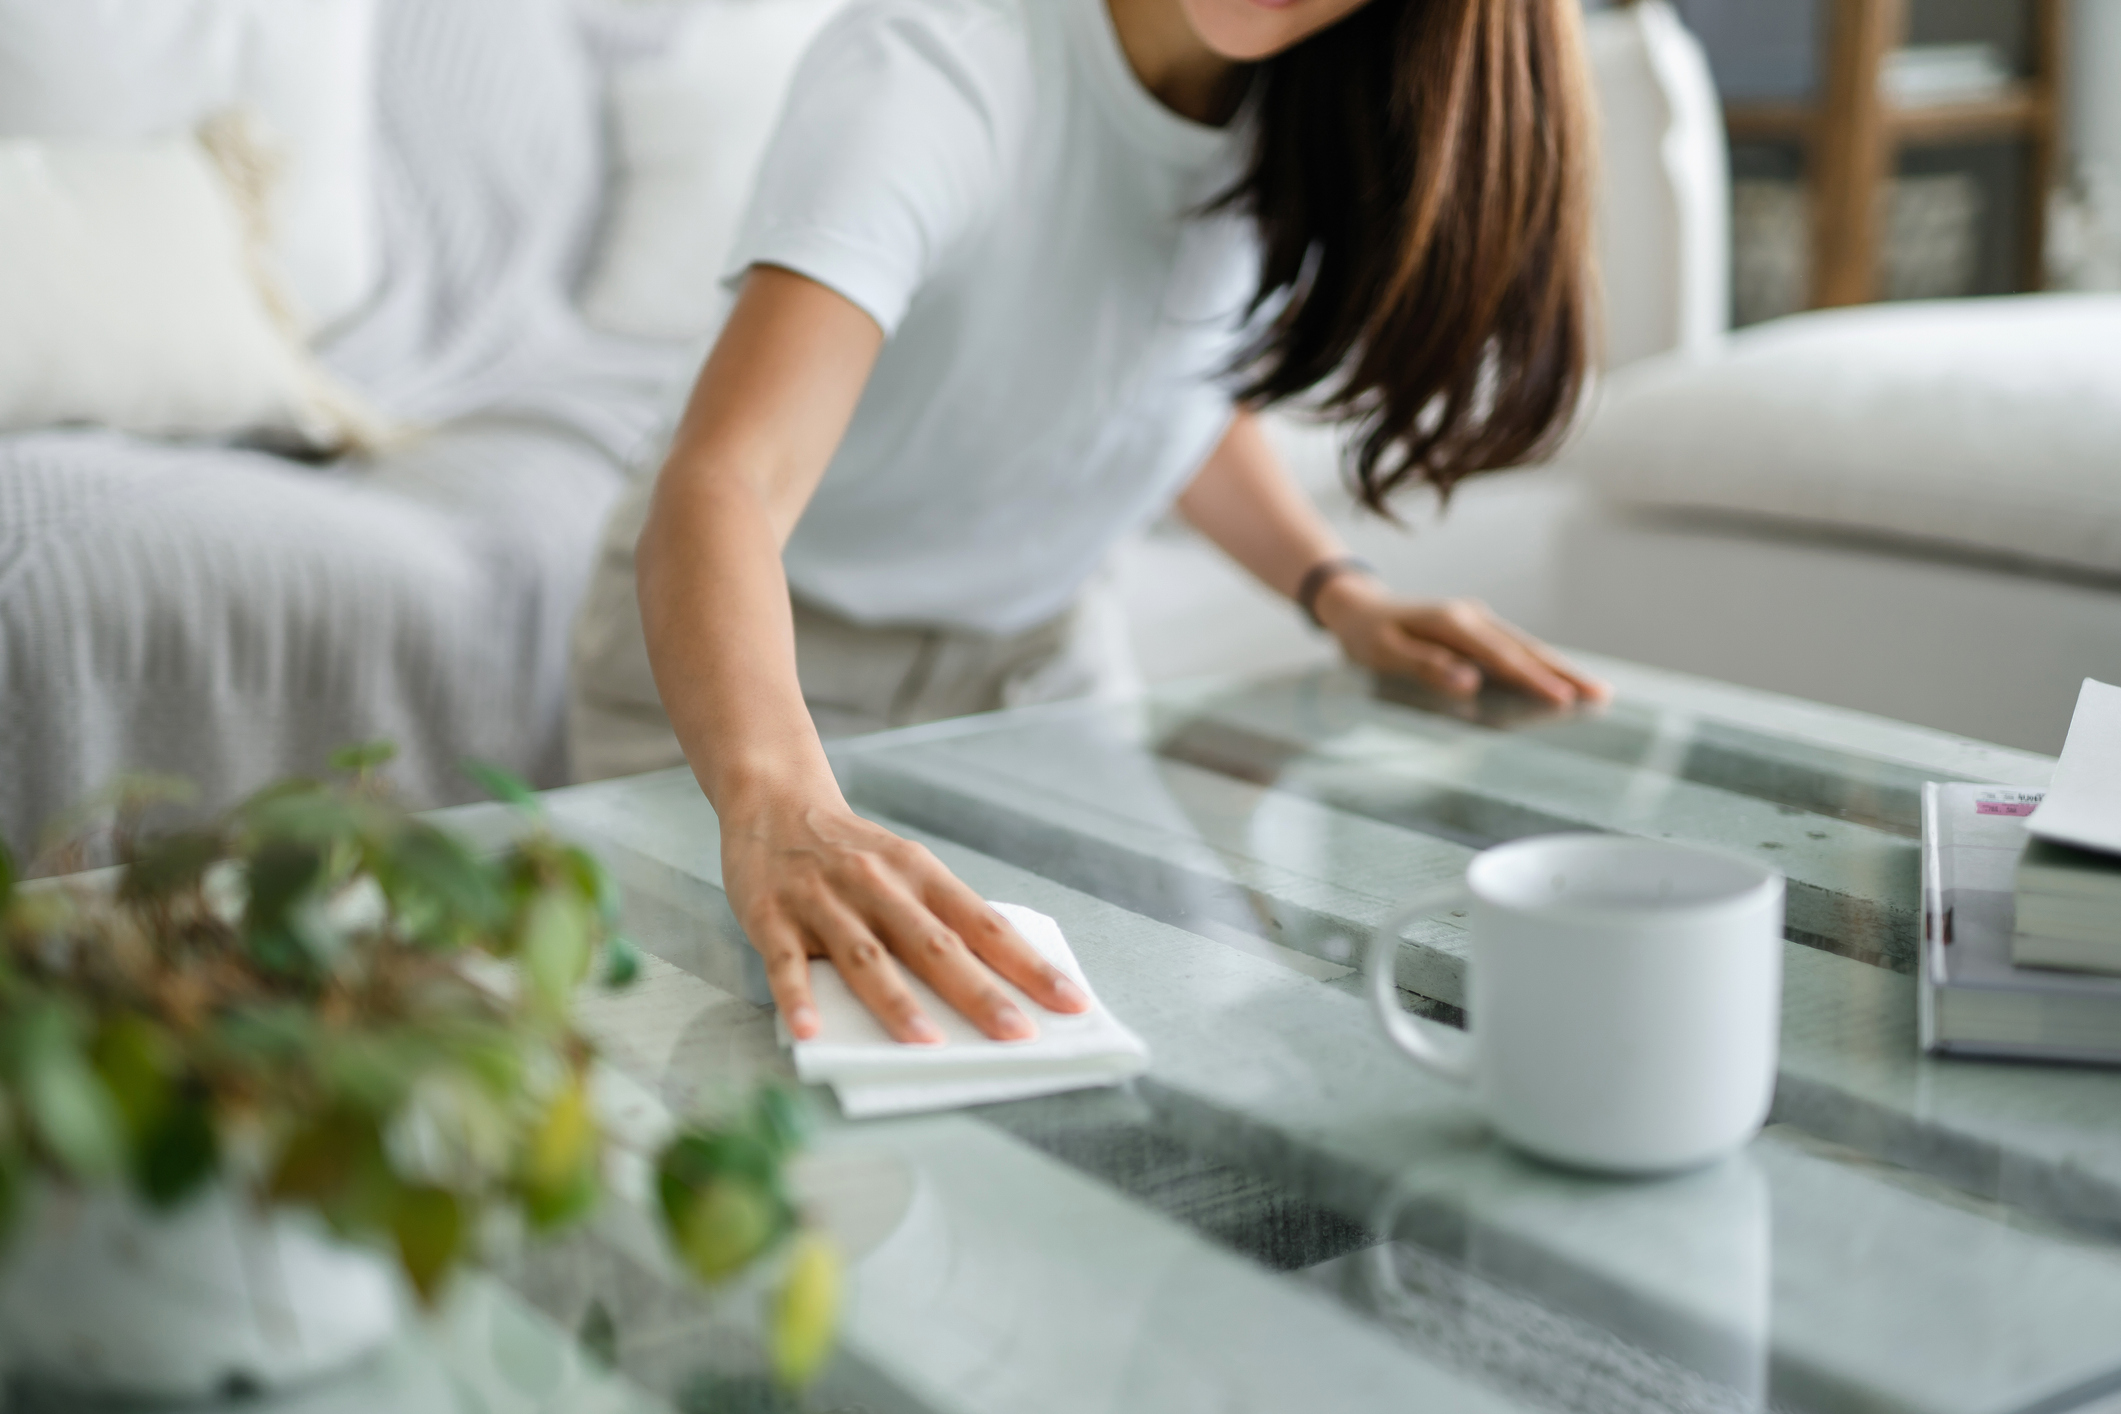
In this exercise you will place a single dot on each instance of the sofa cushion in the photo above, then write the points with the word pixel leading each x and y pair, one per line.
pixel 129 296
pixel 490 178
pixel 228 616
pixel 1990 424
pixel 127 70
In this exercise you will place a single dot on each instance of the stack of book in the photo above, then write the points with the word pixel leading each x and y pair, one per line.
pixel 2021 894
pixel 1922 75
pixel 2069 907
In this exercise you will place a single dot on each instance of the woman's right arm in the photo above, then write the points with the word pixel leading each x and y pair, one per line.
pixel 805 875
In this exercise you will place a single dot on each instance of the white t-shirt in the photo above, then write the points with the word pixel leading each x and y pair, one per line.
pixel 992 184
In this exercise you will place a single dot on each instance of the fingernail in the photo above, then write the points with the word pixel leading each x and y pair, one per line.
pixel 1068 996
pixel 1012 1023
pixel 803 1022
pixel 922 1032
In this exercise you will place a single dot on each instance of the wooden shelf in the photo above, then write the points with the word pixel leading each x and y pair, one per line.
pixel 1851 136
pixel 2022 111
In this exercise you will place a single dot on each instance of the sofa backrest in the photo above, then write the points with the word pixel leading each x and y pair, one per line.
pixel 490 176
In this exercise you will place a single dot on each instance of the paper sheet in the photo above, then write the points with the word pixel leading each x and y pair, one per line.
pixel 2083 804
pixel 875 1075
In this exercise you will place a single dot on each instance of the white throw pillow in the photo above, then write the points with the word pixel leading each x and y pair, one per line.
pixel 129 70
pixel 131 296
pixel 691 127
pixel 1664 185
pixel 1990 423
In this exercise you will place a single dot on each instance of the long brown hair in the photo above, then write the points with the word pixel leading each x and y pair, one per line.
pixel 1421 180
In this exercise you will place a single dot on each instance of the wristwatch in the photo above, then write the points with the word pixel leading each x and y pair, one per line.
pixel 1316 578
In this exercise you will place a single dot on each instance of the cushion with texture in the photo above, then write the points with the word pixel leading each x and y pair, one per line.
pixel 1991 424
pixel 128 70
pixel 130 297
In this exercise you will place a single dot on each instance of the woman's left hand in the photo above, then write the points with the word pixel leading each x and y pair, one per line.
pixel 1450 644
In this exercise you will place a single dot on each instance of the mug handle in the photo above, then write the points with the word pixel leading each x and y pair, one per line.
pixel 1435 1048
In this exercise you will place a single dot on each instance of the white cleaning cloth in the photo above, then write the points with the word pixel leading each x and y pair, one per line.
pixel 875 1075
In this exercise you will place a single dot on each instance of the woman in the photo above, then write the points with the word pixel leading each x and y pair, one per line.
pixel 1017 275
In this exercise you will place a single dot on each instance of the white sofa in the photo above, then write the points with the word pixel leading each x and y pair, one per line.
pixel 1913 510
pixel 225 614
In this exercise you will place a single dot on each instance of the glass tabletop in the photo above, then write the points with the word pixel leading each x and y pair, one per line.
pixel 1284 1214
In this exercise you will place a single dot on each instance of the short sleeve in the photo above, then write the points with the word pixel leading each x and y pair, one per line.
pixel 888 152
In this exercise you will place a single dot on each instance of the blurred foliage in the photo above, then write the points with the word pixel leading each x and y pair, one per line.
pixel 291 998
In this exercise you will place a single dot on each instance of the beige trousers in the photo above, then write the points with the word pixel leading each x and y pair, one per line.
pixel 855 678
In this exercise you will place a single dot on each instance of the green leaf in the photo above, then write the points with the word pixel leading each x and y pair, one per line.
pixel 178 1156
pixel 11 1186
pixel 171 865
pixel 283 875
pixel 695 1156
pixel 133 1060
pixel 337 1166
pixel 594 881
pixel 779 1119
pixel 280 1034
pixel 7 878
pixel 281 950
pixel 364 756
pixel 494 1055
pixel 376 1070
pixel 555 947
pixel 71 1113
pixel 502 784
pixel 551 1208
pixel 599 1335
pixel 262 801
pixel 323 1156
pixel 13 1165
pixel 622 964
pixel 805 1312
pixel 724 1225
pixel 565 1138
pixel 722 1199
pixel 312 815
pixel 429 1227
pixel 439 888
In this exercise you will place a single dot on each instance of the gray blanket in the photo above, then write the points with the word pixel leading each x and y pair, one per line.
pixel 229 615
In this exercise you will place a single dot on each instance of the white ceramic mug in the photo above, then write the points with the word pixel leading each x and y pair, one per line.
pixel 1623 998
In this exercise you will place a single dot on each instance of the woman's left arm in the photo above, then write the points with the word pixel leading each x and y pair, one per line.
pixel 1244 500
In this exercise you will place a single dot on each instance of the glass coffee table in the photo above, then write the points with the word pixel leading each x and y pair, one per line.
pixel 1285 1215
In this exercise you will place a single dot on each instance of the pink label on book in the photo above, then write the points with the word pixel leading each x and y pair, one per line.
pixel 2005 801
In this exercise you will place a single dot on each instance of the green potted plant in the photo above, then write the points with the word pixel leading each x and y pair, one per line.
pixel 260 1063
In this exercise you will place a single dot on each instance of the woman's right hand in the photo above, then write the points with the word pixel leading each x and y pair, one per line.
pixel 805 874
pixel 815 879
